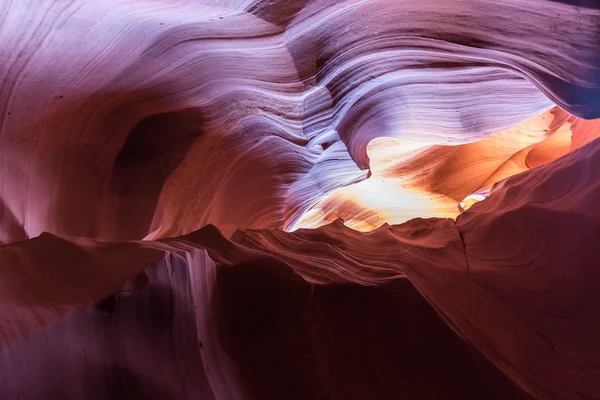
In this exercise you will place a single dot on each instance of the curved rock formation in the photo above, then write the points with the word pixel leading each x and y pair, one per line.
pixel 91 89
pixel 410 179
pixel 311 199
pixel 281 301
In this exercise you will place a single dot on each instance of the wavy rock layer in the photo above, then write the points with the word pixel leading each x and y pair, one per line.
pixel 317 308
pixel 410 179
pixel 128 125
pixel 129 119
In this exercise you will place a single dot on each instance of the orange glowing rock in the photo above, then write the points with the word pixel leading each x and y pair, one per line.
pixel 411 179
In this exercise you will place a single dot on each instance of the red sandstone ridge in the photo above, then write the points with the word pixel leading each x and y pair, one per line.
pixel 299 199
pixel 326 313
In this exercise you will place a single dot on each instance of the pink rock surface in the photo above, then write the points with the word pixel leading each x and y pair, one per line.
pixel 307 314
pixel 125 118
pixel 217 199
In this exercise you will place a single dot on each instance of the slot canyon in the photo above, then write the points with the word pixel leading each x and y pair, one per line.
pixel 299 199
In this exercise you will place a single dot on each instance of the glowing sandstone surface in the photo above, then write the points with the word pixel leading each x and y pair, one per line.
pixel 411 179
pixel 299 199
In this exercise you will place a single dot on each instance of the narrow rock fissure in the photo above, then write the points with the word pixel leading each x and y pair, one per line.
pixel 464 245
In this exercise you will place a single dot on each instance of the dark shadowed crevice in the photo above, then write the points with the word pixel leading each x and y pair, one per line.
pixel 153 150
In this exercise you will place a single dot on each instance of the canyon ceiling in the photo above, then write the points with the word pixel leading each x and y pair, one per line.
pixel 299 199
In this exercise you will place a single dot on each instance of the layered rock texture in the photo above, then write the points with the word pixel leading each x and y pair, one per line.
pixel 299 199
